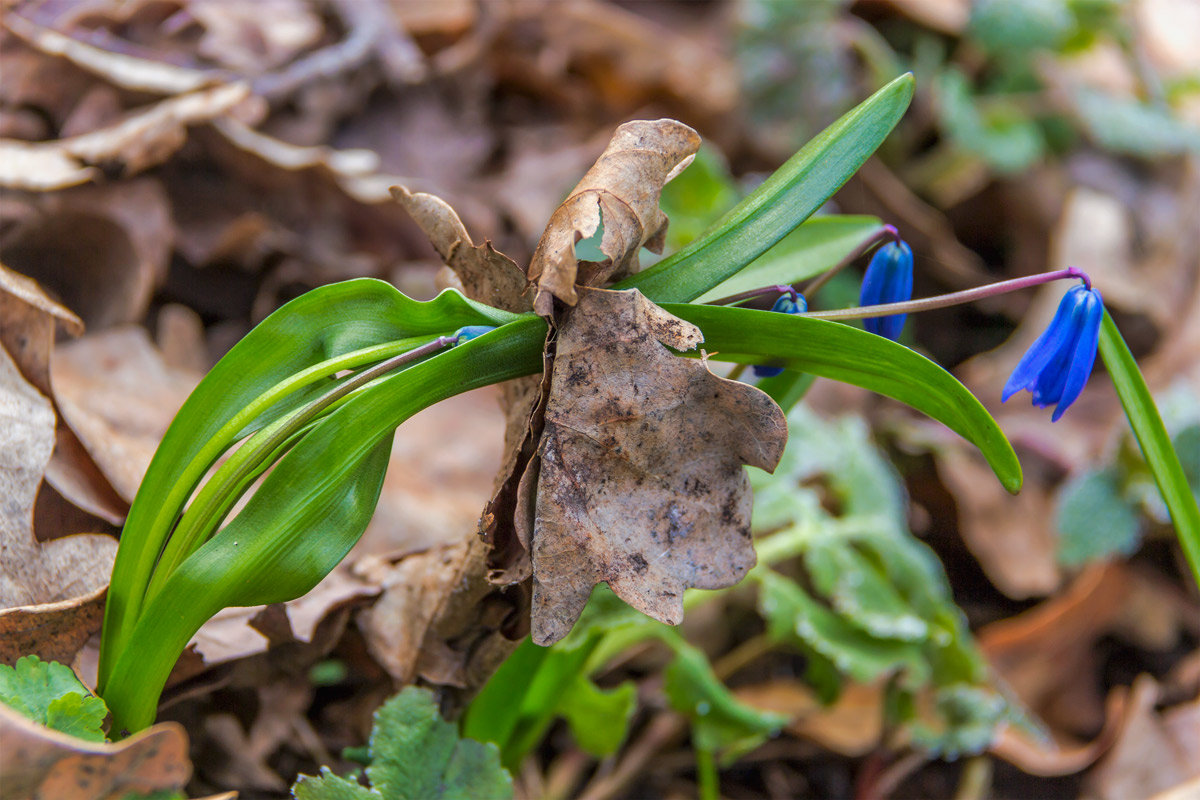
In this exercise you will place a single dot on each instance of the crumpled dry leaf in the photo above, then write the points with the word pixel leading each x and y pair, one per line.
pixel 486 274
pixel 136 143
pixel 641 482
pixel 39 762
pixel 51 595
pixel 621 190
pixel 118 395
pixel 1155 751
pixel 851 726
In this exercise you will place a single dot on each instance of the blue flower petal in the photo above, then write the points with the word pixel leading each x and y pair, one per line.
pixel 1084 357
pixel 1058 365
pixel 785 305
pixel 888 279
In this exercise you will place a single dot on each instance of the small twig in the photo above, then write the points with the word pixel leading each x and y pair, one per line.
pixel 976 780
pixel 662 730
pixel 743 654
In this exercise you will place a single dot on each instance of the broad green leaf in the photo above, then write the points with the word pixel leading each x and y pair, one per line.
pixel 320 326
pixel 963 721
pixel 1093 519
pixel 787 198
pixel 49 693
pixel 830 350
pixel 812 248
pixel 598 718
pixel 307 513
pixel 860 593
pixel 787 388
pixel 1126 125
pixel 417 755
pixel 795 616
pixel 721 723
pixel 1152 437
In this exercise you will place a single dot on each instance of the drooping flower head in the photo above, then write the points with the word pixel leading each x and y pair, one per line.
pixel 889 279
pixel 1055 369
pixel 786 304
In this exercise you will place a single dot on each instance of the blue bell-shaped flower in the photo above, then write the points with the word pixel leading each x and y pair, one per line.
pixel 786 305
pixel 889 279
pixel 1060 361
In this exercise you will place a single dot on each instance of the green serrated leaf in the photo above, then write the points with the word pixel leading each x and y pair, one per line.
pixel 1093 519
pixel 328 786
pixel 49 693
pixel 793 616
pixel 416 755
pixel 860 594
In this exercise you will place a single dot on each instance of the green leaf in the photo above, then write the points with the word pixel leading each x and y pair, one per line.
pixel 416 755
pixel 598 718
pixel 793 616
pixel 998 132
pixel 830 350
pixel 1152 437
pixel 1008 27
pixel 1093 519
pixel 783 201
pixel 696 197
pixel 49 693
pixel 721 723
pixel 1126 125
pixel 328 786
pixel 812 248
pixel 268 371
pixel 308 512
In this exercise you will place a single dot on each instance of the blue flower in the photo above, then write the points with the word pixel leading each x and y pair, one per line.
pixel 786 304
pixel 1060 361
pixel 889 279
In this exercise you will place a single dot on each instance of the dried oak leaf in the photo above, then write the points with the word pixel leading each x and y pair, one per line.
pixel 623 188
pixel 641 482
pixel 39 762
pixel 487 275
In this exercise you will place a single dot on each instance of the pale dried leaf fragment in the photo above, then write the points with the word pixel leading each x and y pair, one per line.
pixel 140 141
pixel 120 69
pixel 39 762
pixel 621 190
pixel 641 482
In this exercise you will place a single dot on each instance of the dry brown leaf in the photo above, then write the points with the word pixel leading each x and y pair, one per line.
pixel 1046 654
pixel 641 482
pixel 119 396
pixel 486 274
pixel 51 595
pixel 621 190
pixel 28 319
pixel 140 141
pixel 851 726
pixel 39 762
pixel 1154 752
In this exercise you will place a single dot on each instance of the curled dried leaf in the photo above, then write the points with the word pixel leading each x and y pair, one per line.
pixel 621 190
